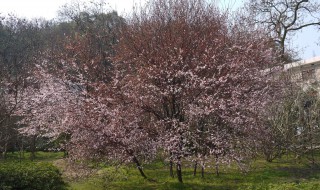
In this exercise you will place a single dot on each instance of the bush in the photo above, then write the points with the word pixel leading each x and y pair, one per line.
pixel 30 176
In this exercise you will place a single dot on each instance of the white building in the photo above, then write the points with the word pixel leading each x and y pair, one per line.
pixel 305 72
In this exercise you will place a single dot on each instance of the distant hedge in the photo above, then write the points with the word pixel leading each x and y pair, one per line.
pixel 30 176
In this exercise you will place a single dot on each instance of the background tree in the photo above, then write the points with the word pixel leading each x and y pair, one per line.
pixel 43 110
pixel 285 17
pixel 307 130
pixel 98 30
pixel 281 126
pixel 292 126
pixel 20 48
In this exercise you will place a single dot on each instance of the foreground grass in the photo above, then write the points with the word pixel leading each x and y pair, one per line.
pixel 284 174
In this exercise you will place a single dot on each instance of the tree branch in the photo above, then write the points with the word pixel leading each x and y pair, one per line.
pixel 303 26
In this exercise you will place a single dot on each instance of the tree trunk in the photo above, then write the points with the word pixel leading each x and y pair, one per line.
pixel 135 160
pixel 65 154
pixel 217 166
pixel 268 155
pixel 202 170
pixel 171 169
pixel 20 153
pixel 179 171
pixel 4 153
pixel 195 168
pixel 33 148
pixel 65 149
pixel 311 142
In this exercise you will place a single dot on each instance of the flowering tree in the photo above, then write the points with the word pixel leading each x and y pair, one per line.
pixel 186 66
pixel 43 106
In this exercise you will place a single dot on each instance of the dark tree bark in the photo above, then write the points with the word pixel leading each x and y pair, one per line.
pixel 217 166
pixel 135 160
pixel 171 169
pixel 4 153
pixel 33 147
pixel 21 151
pixel 284 17
pixel 179 171
pixel 202 170
pixel 195 168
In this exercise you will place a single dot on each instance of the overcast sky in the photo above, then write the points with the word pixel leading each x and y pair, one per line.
pixel 48 8
pixel 305 41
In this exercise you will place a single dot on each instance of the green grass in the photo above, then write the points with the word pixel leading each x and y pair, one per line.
pixel 282 174
pixel 40 156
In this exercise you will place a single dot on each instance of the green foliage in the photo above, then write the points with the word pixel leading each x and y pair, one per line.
pixel 30 176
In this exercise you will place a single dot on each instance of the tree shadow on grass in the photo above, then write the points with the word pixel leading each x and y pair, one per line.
pixel 175 186
pixel 306 172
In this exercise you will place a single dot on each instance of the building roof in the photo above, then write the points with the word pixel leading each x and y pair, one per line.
pixel 303 63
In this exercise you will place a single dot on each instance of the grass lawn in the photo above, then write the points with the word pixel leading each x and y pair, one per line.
pixel 282 174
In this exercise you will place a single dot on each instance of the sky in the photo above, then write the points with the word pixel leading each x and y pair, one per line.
pixel 304 41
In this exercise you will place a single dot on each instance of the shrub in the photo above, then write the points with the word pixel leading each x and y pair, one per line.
pixel 30 176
